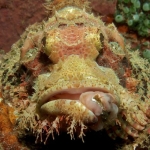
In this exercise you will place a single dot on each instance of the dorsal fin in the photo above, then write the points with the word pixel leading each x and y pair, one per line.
pixel 55 5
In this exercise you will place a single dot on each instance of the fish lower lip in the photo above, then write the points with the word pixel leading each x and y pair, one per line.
pixel 73 108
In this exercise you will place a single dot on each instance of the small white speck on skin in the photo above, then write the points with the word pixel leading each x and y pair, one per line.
pixel 30 55
pixel 9 104
pixel 94 100
pixel 1 99
pixel 135 146
pixel 70 10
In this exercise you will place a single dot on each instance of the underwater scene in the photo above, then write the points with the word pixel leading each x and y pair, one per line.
pixel 75 73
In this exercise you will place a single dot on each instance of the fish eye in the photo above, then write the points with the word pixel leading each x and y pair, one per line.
pixel 62 25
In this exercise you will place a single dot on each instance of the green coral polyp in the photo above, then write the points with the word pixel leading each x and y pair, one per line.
pixel 146 7
pixel 126 1
pixel 147 23
pixel 137 4
pixel 136 17
pixel 119 18
pixel 126 10
pixel 146 54
pixel 133 1
pixel 130 22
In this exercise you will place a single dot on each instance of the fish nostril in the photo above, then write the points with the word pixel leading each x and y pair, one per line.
pixel 44 41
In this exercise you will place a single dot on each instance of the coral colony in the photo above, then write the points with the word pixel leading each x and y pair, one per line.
pixel 73 73
pixel 135 13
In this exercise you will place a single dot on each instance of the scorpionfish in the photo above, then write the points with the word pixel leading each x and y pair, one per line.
pixel 73 73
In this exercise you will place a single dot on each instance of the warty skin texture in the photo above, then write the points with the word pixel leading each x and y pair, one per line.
pixel 52 80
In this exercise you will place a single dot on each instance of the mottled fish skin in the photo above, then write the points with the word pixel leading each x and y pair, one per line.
pixel 73 73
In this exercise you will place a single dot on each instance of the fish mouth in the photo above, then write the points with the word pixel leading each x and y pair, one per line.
pixel 84 104
pixel 72 94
